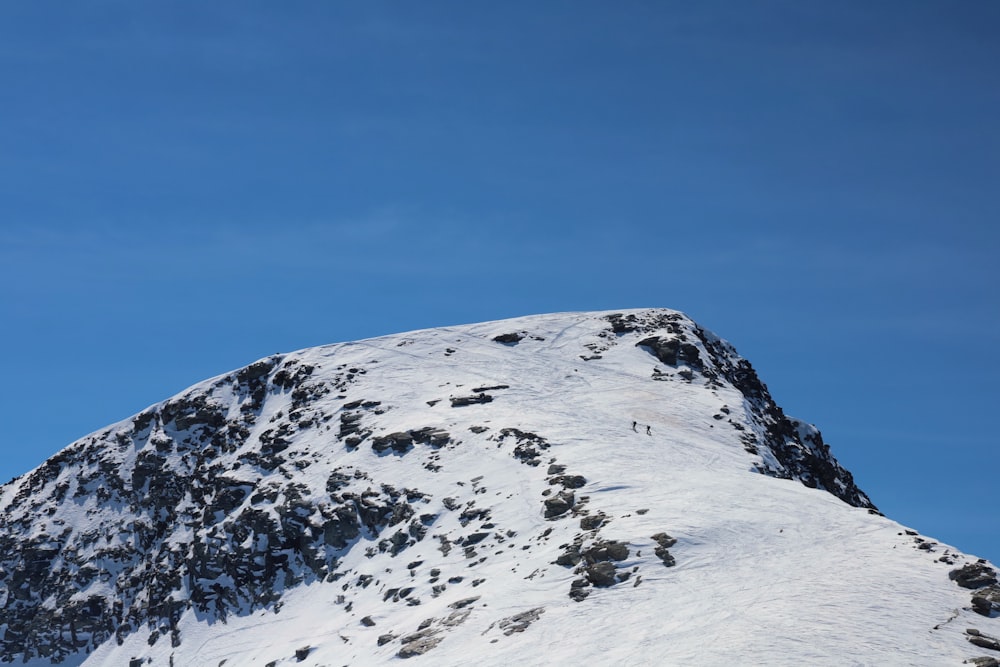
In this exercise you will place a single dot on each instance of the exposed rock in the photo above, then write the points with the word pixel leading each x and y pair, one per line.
pixel 601 574
pixel 605 551
pixel 982 606
pixel 982 640
pixel 569 481
pixel 578 590
pixel 622 324
pixel 672 350
pixel 418 643
pixel 663 541
pixel 460 401
pixel 982 662
pixel 520 622
pixel 559 504
pixel 509 338
pixel 399 442
pixel 974 575
pixel 571 555
pixel 529 446
pixel 494 387
pixel 985 642
pixel 465 602
pixel 797 446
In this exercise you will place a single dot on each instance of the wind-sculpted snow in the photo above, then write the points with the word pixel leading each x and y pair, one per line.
pixel 566 487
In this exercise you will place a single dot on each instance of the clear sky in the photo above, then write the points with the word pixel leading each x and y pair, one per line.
pixel 186 187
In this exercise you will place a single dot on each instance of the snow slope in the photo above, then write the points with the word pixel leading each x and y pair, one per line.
pixel 476 494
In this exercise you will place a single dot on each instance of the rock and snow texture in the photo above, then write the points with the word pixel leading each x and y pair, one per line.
pixel 602 488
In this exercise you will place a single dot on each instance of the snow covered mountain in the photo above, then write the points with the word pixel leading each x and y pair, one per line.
pixel 593 488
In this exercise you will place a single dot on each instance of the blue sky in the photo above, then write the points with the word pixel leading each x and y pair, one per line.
pixel 186 187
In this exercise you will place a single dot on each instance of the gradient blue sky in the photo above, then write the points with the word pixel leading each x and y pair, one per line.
pixel 186 187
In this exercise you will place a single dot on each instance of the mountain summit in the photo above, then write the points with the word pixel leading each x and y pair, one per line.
pixel 596 488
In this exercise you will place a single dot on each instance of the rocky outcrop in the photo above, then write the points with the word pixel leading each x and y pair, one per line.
pixel 974 575
pixel 687 351
pixel 977 638
pixel 182 511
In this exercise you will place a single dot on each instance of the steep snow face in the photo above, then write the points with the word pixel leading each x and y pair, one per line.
pixel 579 486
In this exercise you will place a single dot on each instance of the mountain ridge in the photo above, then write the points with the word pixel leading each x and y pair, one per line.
pixel 254 490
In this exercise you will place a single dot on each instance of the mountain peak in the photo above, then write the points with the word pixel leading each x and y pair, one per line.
pixel 564 477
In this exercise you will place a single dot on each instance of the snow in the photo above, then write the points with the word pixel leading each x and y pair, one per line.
pixel 767 570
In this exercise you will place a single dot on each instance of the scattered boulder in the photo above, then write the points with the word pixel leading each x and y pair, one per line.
pixel 399 442
pixel 570 556
pixel 520 622
pixel 418 643
pixel 663 542
pixel 670 351
pixel 569 481
pixel 974 575
pixel 982 606
pixel 601 574
pixel 606 551
pixel 985 642
pixel 559 504
pixel 464 602
pixel 460 401
pixel 623 324
pixel 981 640
pixel 578 590
pixel 509 338
pixel 982 662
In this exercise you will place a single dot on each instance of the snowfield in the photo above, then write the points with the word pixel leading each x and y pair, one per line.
pixel 485 494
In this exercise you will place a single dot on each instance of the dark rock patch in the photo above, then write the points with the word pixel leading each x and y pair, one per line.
pixel 623 324
pixel 461 401
pixel 569 481
pixel 529 446
pixel 578 589
pixel 604 551
pixel 495 387
pixel 974 575
pixel 509 338
pixel 983 661
pixel 601 574
pixel 981 640
pixel 663 543
pixel 672 351
pixel 570 556
pixel 520 622
pixel 559 504
pixel 463 603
